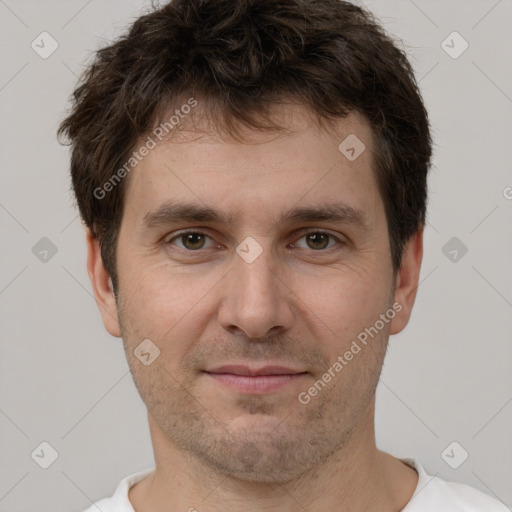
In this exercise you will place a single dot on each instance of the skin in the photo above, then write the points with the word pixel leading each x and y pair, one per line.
pixel 298 304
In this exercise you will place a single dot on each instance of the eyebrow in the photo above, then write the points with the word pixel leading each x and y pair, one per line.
pixel 173 212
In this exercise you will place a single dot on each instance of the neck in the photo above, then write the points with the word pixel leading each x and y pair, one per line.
pixel 358 477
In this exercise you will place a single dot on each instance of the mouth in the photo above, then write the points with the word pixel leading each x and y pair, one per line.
pixel 255 380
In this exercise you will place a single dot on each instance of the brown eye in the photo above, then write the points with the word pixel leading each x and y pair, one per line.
pixel 193 241
pixel 189 240
pixel 318 241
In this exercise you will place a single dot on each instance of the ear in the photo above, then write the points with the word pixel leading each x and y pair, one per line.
pixel 102 286
pixel 407 281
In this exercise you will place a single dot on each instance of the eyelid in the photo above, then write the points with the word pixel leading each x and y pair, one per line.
pixel 176 235
pixel 312 231
pixel 297 236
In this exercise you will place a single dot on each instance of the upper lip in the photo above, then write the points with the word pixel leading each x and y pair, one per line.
pixel 237 369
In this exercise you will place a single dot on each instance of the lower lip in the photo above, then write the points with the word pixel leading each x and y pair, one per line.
pixel 255 384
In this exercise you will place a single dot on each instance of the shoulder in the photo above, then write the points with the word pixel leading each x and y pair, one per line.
pixel 119 501
pixel 105 505
pixel 433 494
pixel 458 496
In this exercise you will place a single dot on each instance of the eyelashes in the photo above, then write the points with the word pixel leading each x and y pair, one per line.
pixel 197 241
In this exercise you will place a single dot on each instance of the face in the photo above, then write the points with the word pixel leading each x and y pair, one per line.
pixel 269 257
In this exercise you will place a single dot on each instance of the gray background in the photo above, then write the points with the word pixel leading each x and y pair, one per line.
pixel 65 381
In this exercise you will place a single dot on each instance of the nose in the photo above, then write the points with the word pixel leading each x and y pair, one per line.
pixel 256 299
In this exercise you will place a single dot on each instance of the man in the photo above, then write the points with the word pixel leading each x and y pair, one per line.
pixel 252 174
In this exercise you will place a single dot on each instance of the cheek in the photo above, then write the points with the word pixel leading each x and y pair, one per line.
pixel 169 308
pixel 343 304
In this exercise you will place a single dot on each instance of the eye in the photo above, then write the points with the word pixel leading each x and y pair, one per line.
pixel 194 241
pixel 190 240
pixel 319 240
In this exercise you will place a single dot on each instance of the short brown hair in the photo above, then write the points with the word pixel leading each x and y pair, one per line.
pixel 241 57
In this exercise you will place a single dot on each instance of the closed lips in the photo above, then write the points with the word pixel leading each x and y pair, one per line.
pixel 253 372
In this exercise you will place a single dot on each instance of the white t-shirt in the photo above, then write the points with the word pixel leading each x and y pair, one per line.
pixel 432 494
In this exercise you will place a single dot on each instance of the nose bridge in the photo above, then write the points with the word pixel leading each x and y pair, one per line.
pixel 254 299
pixel 254 272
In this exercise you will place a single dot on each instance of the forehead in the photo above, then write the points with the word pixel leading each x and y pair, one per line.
pixel 265 172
